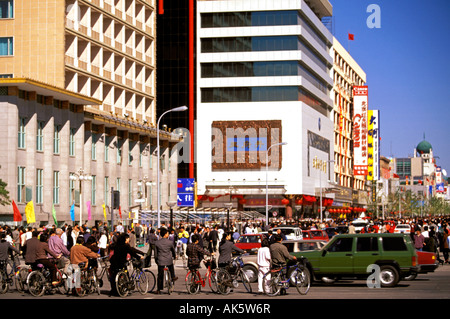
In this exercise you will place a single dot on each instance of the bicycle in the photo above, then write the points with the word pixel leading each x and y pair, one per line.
pixel 227 276
pixel 167 280
pixel 39 280
pixel 194 281
pixel 88 280
pixel 9 275
pixel 104 264
pixel 141 280
pixel 277 279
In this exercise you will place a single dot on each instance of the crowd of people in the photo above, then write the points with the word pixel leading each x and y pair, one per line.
pixel 71 245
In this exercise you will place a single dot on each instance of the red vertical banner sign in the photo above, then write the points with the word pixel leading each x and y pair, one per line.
pixel 191 86
pixel 360 110
pixel 161 7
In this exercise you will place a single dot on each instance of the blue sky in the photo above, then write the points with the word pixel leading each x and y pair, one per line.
pixel 407 63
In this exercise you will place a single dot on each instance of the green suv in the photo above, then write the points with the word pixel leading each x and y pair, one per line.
pixel 387 258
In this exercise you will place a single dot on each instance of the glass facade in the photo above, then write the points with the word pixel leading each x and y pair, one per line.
pixel 248 19
pixel 244 69
pixel 259 94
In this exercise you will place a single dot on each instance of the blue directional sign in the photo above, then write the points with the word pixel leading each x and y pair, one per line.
pixel 185 192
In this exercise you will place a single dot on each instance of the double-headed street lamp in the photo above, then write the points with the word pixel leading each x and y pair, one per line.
pixel 267 181
pixel 158 188
pixel 81 176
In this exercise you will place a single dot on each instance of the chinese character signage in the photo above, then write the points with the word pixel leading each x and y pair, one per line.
pixel 373 145
pixel 185 192
pixel 360 143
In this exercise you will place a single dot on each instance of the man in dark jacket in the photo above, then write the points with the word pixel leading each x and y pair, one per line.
pixel 279 253
pixel 164 254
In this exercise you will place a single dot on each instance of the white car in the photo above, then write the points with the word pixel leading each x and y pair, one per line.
pixel 402 229
pixel 291 233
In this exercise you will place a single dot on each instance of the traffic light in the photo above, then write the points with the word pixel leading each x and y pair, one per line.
pixel 116 200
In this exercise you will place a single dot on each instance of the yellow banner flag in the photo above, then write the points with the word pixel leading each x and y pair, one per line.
pixel 104 211
pixel 29 213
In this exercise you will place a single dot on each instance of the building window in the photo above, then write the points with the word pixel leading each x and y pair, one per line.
pixel 106 190
pixel 248 19
pixel 119 152
pixel 6 76
pixel 71 189
pixel 6 9
pixel 72 142
pixel 93 190
pixel 40 136
pixel 94 147
pixel 21 184
pixel 55 187
pixel 130 192
pixel 118 183
pixel 22 135
pixel 107 142
pixel 56 139
pixel 39 186
pixel 6 46
pixel 249 44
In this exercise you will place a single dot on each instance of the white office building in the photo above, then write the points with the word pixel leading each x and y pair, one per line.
pixel 264 77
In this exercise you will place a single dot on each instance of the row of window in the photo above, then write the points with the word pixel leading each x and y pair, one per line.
pixel 97 139
pixel 260 19
pixel 259 94
pixel 264 43
pixel 24 193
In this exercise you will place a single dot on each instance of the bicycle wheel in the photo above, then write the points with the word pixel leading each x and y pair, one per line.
pixel 142 282
pixel 21 279
pixel 36 283
pixel 84 284
pixel 168 283
pixel 63 286
pixel 271 283
pixel 212 280
pixel 3 282
pixel 245 281
pixel 224 283
pixel 122 284
pixel 95 285
pixel 302 280
pixel 192 282
pixel 151 279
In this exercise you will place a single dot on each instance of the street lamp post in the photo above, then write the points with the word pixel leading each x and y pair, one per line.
pixel 228 206
pixel 171 204
pixel 267 180
pixel 81 176
pixel 320 185
pixel 158 188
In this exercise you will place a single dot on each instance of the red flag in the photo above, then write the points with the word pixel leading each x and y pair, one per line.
pixel 351 36
pixel 120 212
pixel 17 215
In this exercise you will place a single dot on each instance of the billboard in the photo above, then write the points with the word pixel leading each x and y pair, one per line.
pixel 360 109
pixel 243 144
pixel 373 145
pixel 185 192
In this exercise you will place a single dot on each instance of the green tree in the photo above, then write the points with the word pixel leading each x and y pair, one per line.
pixel 4 194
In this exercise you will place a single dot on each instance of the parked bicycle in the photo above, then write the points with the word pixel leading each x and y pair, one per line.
pixel 138 278
pixel 194 281
pixel 104 268
pixel 227 277
pixel 39 280
pixel 277 279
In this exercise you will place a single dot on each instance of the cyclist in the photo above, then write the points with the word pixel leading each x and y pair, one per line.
pixel 195 253
pixel 36 253
pixel 5 249
pixel 164 254
pixel 120 251
pixel 56 244
pixel 78 254
pixel 226 248
pixel 279 253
